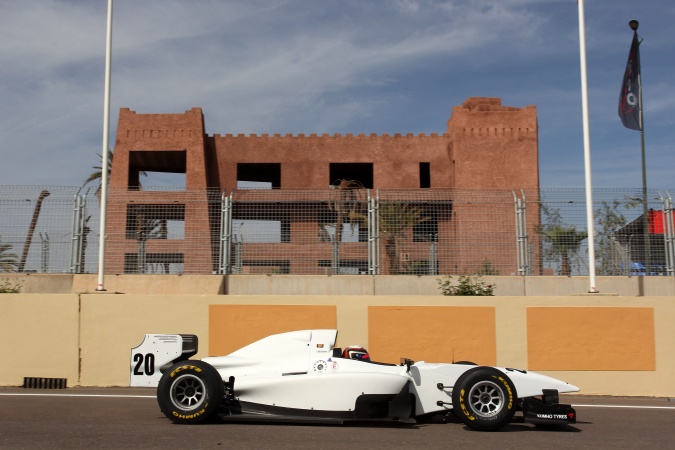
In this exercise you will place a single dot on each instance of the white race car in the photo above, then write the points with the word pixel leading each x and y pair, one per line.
pixel 300 376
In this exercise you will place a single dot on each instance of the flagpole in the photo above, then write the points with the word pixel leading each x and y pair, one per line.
pixel 645 198
pixel 587 150
pixel 634 24
pixel 104 152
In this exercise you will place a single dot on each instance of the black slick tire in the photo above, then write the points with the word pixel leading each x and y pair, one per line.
pixel 484 398
pixel 190 392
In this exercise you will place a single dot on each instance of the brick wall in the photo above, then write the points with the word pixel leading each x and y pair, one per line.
pixel 486 146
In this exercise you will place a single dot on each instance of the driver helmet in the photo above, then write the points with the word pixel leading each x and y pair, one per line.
pixel 356 352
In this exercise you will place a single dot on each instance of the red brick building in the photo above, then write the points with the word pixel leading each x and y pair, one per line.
pixel 486 146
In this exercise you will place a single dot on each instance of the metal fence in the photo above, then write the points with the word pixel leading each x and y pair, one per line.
pixel 37 232
pixel 336 231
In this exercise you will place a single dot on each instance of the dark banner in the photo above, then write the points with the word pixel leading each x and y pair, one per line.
pixel 629 101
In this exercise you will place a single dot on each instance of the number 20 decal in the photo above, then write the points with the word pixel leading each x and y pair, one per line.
pixel 147 362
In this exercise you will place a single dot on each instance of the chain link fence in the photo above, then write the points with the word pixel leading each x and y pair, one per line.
pixel 37 233
pixel 336 231
pixel 633 235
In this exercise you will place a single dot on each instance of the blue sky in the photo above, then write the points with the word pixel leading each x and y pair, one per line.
pixel 349 66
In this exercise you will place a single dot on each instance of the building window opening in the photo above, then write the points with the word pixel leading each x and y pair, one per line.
pixel 351 232
pixel 158 181
pixel 348 214
pixel 157 170
pixel 153 263
pixel 425 175
pixel 427 230
pixel 259 231
pixel 264 267
pixel 347 267
pixel 259 175
pixel 155 221
pixel 360 173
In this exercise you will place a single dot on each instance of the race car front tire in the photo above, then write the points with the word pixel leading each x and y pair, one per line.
pixel 190 392
pixel 484 398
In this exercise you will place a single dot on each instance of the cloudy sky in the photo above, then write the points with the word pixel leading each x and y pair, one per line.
pixel 329 66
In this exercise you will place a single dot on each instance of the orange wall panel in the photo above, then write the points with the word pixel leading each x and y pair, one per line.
pixel 234 326
pixel 590 338
pixel 432 333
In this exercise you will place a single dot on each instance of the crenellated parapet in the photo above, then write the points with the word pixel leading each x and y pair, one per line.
pixel 330 136
pixel 497 132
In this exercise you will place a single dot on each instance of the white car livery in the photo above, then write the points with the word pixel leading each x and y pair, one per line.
pixel 301 376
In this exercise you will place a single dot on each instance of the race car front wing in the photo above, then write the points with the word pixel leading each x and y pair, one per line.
pixel 548 410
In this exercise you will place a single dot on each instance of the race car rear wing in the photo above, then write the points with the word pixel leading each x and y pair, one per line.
pixel 190 347
pixel 157 353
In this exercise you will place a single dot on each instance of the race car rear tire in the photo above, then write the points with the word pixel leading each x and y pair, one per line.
pixel 190 392
pixel 484 398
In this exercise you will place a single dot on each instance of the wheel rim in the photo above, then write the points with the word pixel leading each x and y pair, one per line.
pixel 188 392
pixel 486 399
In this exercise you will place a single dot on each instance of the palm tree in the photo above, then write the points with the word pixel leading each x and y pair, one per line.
pixel 611 220
pixel 98 175
pixel 8 261
pixel 563 240
pixel 31 228
pixel 395 219
pixel 146 228
pixel 346 199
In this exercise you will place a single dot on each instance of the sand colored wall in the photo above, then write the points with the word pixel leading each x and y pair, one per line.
pixel 605 338
pixel 40 337
pixel 294 285
pixel 558 336
pixel 433 333
pixel 254 322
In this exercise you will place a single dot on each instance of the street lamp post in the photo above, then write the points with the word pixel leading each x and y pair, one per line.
pixel 104 151
pixel 587 150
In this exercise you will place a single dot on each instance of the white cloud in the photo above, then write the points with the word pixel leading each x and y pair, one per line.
pixel 307 66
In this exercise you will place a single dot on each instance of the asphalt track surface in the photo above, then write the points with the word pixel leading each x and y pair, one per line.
pixel 129 418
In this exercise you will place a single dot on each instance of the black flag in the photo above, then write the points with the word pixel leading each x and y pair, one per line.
pixel 629 101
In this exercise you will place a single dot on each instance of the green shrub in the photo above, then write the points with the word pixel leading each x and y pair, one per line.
pixel 487 268
pixel 467 285
pixel 9 288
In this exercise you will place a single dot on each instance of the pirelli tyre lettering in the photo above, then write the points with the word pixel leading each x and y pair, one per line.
pixel 184 367
pixel 484 398
pixel 190 392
